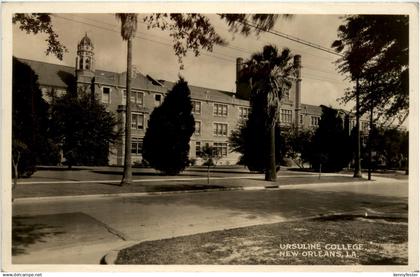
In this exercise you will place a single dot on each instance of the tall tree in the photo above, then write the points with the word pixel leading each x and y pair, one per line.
pixel 166 143
pixel 128 32
pixel 379 45
pixel 375 46
pixel 30 120
pixel 269 74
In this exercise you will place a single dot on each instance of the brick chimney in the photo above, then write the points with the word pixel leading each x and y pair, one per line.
pixel 298 65
pixel 239 64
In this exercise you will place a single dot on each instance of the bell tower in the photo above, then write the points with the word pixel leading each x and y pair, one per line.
pixel 85 66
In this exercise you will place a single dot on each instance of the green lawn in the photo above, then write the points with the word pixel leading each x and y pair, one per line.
pixel 383 242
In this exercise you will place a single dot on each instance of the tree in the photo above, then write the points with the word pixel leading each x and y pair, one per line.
pixel 189 32
pixel 209 154
pixel 330 143
pixel 41 23
pixel 270 76
pixel 171 125
pixel 250 139
pixel 391 146
pixel 128 32
pixel 84 128
pixel 375 54
pixel 30 120
pixel 375 49
pixel 298 145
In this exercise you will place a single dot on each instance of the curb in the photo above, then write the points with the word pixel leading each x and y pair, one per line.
pixel 127 194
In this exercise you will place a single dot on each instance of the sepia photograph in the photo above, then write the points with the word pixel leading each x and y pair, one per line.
pixel 181 136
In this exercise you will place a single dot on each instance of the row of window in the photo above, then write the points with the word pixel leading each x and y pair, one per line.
pixel 286 117
pixel 221 110
pixel 219 129
pixel 135 97
pixel 221 148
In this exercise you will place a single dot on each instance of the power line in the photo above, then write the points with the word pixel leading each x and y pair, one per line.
pixel 295 39
pixel 140 37
pixel 323 78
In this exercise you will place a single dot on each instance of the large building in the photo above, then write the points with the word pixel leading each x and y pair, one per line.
pixel 216 112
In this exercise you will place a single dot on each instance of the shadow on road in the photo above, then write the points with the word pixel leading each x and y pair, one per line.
pixel 26 233
pixel 143 173
pixel 286 203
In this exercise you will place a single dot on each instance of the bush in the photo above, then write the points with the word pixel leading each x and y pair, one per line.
pixel 331 144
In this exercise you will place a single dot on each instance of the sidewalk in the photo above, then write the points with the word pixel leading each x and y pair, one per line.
pixel 73 185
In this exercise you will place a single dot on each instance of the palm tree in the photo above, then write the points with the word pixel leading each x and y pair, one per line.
pixel 128 32
pixel 270 76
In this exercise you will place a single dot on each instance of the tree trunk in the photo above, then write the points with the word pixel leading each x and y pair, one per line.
pixel 370 143
pixel 357 163
pixel 127 174
pixel 15 164
pixel 16 173
pixel 270 170
pixel 208 172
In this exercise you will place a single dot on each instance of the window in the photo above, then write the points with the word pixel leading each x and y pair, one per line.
pixel 87 65
pixel 136 97
pixel 137 121
pixel 314 120
pixel 106 95
pixel 220 110
pixel 197 131
pixel 196 107
pixel 221 148
pixel 136 146
pixel 286 95
pixel 220 129
pixel 352 124
pixel 285 116
pixel 301 119
pixel 197 148
pixel 158 99
pixel 243 112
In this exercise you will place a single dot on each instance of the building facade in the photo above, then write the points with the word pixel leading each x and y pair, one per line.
pixel 217 113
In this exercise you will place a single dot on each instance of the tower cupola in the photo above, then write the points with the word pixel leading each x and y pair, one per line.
pixel 84 59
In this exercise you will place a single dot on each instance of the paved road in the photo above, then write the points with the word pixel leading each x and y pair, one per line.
pixel 82 231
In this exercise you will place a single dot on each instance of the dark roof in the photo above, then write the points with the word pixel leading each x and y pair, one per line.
pixel 216 95
pixel 51 74
pixel 311 109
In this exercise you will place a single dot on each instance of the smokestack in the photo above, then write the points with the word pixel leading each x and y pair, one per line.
pixel 298 65
pixel 239 65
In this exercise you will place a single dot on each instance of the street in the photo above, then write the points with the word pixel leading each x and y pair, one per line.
pixel 81 231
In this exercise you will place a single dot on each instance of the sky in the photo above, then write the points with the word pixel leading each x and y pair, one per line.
pixel 153 53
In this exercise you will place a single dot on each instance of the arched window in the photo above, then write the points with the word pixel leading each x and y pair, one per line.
pixel 81 63
pixel 87 63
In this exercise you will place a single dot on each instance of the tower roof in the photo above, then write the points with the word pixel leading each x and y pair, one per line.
pixel 86 41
